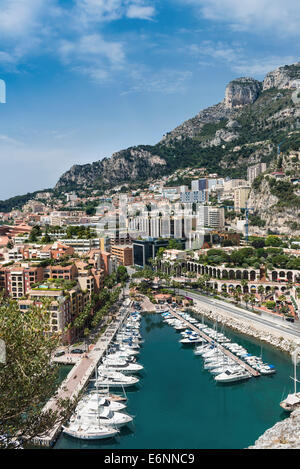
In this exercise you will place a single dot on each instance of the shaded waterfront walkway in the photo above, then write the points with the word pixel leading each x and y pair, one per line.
pixel 81 373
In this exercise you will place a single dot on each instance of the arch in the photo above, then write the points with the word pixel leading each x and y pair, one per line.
pixel 274 275
pixel 224 287
pixel 289 276
pixel 231 274
pixel 245 275
pixel 224 273
pixel 252 275
pixel 252 289
pixel 281 274
pixel 238 274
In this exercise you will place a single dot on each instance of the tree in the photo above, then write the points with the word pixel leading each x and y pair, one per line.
pixel 122 274
pixel 258 243
pixel 28 378
pixel 252 299
pixel 274 241
pixel 174 244
pixel 246 298
pixel 34 234
pixel 261 291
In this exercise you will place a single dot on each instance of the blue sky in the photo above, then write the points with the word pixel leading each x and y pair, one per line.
pixel 86 78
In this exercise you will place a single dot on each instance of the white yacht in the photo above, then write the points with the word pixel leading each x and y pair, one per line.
pixel 89 431
pixel 95 400
pixel 114 379
pixel 118 355
pixel 122 365
pixel 224 367
pixel 104 415
pixel 230 376
pixel 191 339
pixel 201 349
pixel 127 349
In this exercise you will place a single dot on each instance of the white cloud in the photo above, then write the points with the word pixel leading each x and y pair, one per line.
pixel 19 16
pixel 140 12
pixel 259 67
pixel 166 81
pixel 217 50
pixel 96 74
pixel 94 44
pixel 236 58
pixel 5 139
pixel 252 15
pixel 95 11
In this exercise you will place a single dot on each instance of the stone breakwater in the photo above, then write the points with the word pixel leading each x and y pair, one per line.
pixel 241 326
pixel 283 435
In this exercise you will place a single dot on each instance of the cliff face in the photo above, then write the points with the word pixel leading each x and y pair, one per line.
pixel 277 201
pixel 283 77
pixel 242 91
pixel 244 128
pixel 124 166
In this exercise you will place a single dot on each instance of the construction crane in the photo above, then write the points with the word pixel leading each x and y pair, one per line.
pixel 278 147
pixel 247 221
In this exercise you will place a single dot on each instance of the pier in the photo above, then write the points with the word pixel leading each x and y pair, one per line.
pixel 80 375
pixel 231 355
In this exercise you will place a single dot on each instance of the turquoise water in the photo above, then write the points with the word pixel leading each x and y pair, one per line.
pixel 178 405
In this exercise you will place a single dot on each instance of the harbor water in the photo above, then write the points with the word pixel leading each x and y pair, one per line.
pixel 178 405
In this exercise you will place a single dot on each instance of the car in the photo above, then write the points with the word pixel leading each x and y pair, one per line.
pixel 59 354
pixel 290 319
pixel 77 350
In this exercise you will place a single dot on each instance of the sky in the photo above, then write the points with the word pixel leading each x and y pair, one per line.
pixel 87 78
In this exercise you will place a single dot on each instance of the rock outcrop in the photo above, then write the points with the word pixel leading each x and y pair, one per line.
pixel 242 91
pixel 283 435
pixel 124 166
pixel 283 77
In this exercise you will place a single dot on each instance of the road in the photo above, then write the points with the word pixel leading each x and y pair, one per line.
pixel 263 318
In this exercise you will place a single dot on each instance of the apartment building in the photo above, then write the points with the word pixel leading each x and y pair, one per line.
pixel 208 216
pixel 241 195
pixel 81 246
pixel 16 280
pixel 63 307
pixel 254 171
pixel 123 253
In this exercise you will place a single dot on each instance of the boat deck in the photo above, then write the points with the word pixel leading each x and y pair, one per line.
pixel 231 355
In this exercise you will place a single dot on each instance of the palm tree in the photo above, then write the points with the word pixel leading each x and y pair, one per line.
pixel 246 299
pixel 261 291
pixel 244 283
pixel 252 299
pixel 237 295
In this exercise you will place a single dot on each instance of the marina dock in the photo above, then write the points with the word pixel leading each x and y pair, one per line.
pixel 231 355
pixel 80 375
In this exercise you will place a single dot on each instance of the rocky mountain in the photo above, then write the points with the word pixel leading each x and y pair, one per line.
pixel 123 166
pixel 245 128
